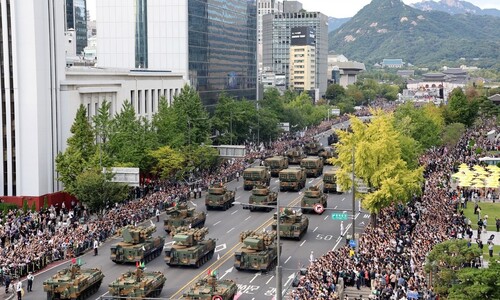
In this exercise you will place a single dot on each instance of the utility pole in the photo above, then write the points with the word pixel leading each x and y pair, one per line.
pixel 278 265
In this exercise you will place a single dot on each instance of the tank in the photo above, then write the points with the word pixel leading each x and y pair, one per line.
pixel 312 148
pixel 138 245
pixel 137 284
pixel 312 165
pixel 276 164
pixel 293 224
pixel 326 154
pixel 295 155
pixel 261 195
pixel 190 248
pixel 183 215
pixel 258 175
pixel 212 289
pixel 312 196
pixel 73 283
pixel 218 197
pixel 258 253
pixel 333 138
pixel 292 179
pixel 330 181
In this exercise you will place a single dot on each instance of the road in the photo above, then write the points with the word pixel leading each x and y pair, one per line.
pixel 322 236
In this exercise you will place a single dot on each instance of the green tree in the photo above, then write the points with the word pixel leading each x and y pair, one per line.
pixel 473 283
pixel 355 93
pixel 459 109
pixel 377 148
pixel 164 124
pixel 417 123
pixel 82 138
pixel 445 259
pixel 96 190
pixel 167 162
pixel 334 93
pixel 452 133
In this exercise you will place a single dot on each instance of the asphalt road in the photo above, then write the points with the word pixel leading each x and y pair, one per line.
pixel 322 236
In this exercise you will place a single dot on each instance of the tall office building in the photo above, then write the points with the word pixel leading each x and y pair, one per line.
pixel 303 59
pixel 76 18
pixel 276 41
pixel 212 42
pixel 265 7
pixel 31 66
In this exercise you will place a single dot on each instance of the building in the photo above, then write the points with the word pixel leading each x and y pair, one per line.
pixel 276 41
pixel 434 86
pixel 405 73
pixel 76 18
pixel 342 71
pixel 265 7
pixel 272 80
pixel 211 44
pixel 32 65
pixel 303 59
pixel 392 63
pixel 92 86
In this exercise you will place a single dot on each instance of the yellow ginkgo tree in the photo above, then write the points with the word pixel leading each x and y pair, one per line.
pixel 377 148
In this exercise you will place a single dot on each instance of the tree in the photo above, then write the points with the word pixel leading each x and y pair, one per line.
pixel 475 283
pixel 460 110
pixel 452 133
pixel 378 150
pixel 419 124
pixel 96 190
pixel 334 93
pixel 82 138
pixel 164 124
pixel 445 259
pixel 167 161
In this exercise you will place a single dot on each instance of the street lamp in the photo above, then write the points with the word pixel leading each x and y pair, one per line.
pixel 279 280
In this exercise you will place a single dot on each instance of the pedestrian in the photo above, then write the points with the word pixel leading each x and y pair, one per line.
pixel 96 246
pixel 237 176
pixel 19 289
pixel 311 257
pixel 199 192
pixel 490 249
pixel 7 283
pixel 157 215
pixel 30 278
pixel 497 221
pixel 342 228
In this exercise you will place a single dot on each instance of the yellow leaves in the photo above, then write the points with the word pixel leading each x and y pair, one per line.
pixel 167 161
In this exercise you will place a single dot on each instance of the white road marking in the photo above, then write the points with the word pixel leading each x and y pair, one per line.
pixel 326 217
pixel 234 212
pixel 248 218
pixel 287 259
pixel 311 180
pixel 343 199
pixel 269 280
pixel 301 244
pixel 315 229
pixel 366 216
pixel 255 276
pixel 237 198
pixel 217 223
pixel 335 207
pixel 220 247
pixel 230 230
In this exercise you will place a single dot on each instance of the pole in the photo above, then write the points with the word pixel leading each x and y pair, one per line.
pixel 278 265
pixel 353 225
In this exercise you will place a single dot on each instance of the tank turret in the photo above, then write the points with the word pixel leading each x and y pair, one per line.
pixel 135 235
pixel 259 251
pixel 219 197
pixel 183 215
pixel 293 224
pixel 312 191
pixel 312 197
pixel 138 245
pixel 261 199
pixel 190 247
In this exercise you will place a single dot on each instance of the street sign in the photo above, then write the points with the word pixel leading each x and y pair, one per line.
pixel 339 216
pixel 318 208
pixel 352 243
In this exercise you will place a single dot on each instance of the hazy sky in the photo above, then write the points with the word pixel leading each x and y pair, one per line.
pixel 340 8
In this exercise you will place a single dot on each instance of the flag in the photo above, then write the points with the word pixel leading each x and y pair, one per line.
pixel 137 264
pixel 73 260
pixel 79 261
pixel 142 265
pixel 209 272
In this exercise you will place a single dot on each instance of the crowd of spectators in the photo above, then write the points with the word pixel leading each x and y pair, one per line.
pixel 392 254
pixel 31 240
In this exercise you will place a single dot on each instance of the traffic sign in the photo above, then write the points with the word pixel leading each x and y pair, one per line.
pixel 318 208
pixel 352 243
pixel 339 216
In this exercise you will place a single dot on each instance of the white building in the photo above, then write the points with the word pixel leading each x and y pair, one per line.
pixel 92 86
pixel 265 7
pixel 30 95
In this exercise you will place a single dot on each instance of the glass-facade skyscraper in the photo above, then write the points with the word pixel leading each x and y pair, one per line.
pixel 76 18
pixel 222 48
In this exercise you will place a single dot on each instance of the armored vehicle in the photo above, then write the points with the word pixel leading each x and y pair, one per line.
pixel 190 248
pixel 256 176
pixel 261 195
pixel 259 251
pixel 219 197
pixel 137 245
pixel 333 138
pixel 212 289
pixel 182 215
pixel 295 155
pixel 293 224
pixel 312 148
pixel 327 153
pixel 292 179
pixel 330 181
pixel 73 283
pixel 276 164
pixel 137 284
pixel 312 196
pixel 313 166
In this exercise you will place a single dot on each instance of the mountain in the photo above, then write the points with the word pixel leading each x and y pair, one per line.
pixel 391 29
pixel 455 7
pixel 334 23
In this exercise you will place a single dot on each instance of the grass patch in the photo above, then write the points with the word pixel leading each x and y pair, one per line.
pixel 486 254
pixel 490 209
